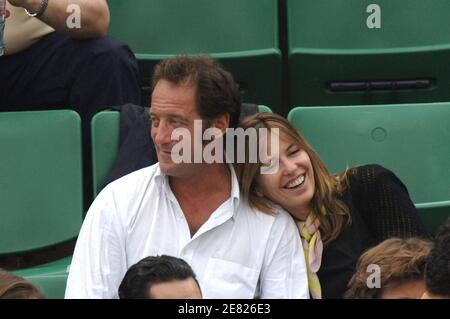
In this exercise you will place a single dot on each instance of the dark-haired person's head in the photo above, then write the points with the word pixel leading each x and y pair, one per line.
pixel 437 270
pixel 216 91
pixel 15 287
pixel 190 95
pixel 160 277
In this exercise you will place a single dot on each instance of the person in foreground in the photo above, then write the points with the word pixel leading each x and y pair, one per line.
pixel 338 216
pixel 394 269
pixel 15 287
pixel 160 277
pixel 437 269
pixel 194 210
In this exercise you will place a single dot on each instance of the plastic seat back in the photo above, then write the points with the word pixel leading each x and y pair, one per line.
pixel 242 34
pixel 351 52
pixel 41 179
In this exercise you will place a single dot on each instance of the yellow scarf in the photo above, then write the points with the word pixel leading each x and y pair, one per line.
pixel 313 248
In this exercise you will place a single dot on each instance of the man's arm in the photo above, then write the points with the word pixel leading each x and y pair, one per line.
pixel 284 271
pixel 99 261
pixel 94 16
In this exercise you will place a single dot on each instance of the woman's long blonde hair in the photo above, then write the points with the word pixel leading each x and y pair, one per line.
pixel 332 213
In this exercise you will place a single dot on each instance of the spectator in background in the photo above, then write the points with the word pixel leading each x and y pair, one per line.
pixel 160 277
pixel 437 270
pixel 338 216
pixel 14 287
pixel 394 269
pixel 192 210
pixel 50 63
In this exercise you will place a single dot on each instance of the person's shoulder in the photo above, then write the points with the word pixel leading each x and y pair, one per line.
pixel 371 174
pixel 374 169
pixel 282 216
pixel 118 197
pixel 374 177
pixel 136 179
pixel 127 188
pixel 278 219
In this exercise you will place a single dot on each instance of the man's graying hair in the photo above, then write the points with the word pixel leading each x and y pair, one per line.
pixel 216 91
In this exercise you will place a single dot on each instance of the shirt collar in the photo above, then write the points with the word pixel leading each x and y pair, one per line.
pixel 162 181
pixel 235 191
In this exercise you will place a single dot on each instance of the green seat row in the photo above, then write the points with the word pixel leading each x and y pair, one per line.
pixel 351 52
pixel 241 34
pixel 340 52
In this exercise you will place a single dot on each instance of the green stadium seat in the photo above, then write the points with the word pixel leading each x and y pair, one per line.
pixel 412 140
pixel 264 108
pixel 41 182
pixel 336 59
pixel 242 34
pixel 105 127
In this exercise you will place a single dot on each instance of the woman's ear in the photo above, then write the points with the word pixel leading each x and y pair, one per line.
pixel 258 192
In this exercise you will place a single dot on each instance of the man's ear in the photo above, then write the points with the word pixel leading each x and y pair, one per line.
pixel 222 122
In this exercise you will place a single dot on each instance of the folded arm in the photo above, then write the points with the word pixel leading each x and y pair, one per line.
pixel 63 15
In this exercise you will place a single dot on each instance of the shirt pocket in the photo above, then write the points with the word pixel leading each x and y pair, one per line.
pixel 227 279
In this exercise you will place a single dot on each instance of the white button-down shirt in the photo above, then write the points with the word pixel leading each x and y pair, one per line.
pixel 237 253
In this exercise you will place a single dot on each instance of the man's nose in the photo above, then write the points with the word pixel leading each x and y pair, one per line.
pixel 161 134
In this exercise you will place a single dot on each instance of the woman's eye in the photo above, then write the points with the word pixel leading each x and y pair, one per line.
pixel 294 151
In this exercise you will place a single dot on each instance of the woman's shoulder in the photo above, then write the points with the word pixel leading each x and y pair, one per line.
pixel 371 174
pixel 375 178
pixel 372 169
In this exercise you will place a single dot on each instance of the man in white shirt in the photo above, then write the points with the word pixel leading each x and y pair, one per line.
pixel 52 62
pixel 189 210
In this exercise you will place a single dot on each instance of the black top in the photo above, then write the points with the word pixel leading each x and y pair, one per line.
pixel 380 208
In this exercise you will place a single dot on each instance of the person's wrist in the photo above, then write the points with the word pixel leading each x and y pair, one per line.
pixel 35 8
pixel 31 5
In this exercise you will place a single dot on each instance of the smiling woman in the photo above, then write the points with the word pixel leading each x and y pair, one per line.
pixel 338 216
pixel 300 176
